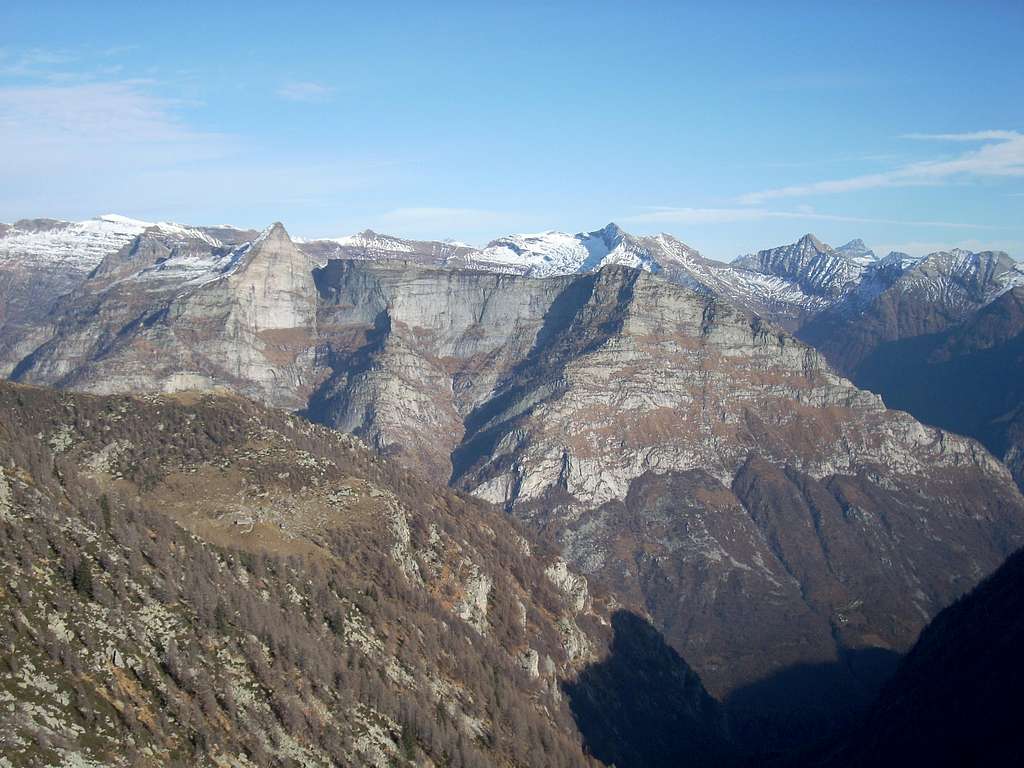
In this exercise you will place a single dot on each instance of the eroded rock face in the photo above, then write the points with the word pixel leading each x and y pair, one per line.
pixel 708 466
pixel 942 342
pixel 193 316
pixel 651 377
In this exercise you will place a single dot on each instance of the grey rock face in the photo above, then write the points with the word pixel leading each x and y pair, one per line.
pixel 708 465
pixel 43 261
pixel 372 246
pixel 814 266
pixel 243 318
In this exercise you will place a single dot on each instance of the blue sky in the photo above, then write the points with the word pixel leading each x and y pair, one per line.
pixel 734 126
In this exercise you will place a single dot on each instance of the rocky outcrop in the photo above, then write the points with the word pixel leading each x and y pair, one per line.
pixel 192 316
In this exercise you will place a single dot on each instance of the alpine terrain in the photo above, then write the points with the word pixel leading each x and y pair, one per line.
pixel 642 410
pixel 199 580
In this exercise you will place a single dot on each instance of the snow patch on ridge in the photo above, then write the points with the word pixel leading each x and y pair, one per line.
pixel 81 245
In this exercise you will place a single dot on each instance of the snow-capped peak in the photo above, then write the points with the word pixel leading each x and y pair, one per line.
pixel 371 240
pixel 544 254
pixel 814 266
pixel 857 252
pixel 127 221
pixel 79 246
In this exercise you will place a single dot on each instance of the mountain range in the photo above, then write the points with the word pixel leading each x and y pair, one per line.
pixel 774 462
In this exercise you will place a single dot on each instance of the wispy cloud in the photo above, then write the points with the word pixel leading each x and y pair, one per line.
pixel 33 63
pixel 42 66
pixel 305 91
pixel 72 150
pixel 65 144
pixel 670 215
pixel 1001 155
pixel 90 119
pixel 970 136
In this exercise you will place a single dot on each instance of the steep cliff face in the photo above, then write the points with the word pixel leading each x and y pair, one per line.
pixel 162 316
pixel 414 352
pixel 44 260
pixel 40 261
pixel 966 378
pixel 773 518
pixel 647 376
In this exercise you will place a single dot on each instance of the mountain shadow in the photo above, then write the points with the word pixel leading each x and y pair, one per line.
pixel 552 349
pixel 806 702
pixel 965 379
pixel 955 699
pixel 642 706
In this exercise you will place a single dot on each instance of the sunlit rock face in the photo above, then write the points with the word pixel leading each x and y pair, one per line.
pixel 711 468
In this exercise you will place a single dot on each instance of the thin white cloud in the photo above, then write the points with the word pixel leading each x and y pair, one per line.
pixel 305 91
pixel 73 150
pixel 666 215
pixel 90 118
pixel 55 131
pixel 34 62
pixel 1001 155
pixel 970 136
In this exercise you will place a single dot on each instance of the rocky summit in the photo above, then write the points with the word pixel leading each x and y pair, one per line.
pixel 786 531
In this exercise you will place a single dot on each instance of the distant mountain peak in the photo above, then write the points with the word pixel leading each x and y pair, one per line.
pixel 275 233
pixel 611 231
pixel 857 252
pixel 811 240
pixel 116 218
